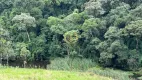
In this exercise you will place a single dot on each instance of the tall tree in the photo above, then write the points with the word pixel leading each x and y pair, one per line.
pixel 25 21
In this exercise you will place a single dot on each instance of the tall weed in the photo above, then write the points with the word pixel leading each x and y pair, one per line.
pixel 71 64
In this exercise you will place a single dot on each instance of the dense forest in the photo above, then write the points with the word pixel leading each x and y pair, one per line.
pixel 109 32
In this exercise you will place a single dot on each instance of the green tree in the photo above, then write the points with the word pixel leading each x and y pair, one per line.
pixel 93 27
pixel 25 22
pixel 71 38
pixel 134 29
pixel 24 53
pixel 119 16
pixel 94 8
pixel 6 49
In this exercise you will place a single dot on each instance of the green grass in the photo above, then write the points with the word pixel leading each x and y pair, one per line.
pixel 40 74
pixel 115 74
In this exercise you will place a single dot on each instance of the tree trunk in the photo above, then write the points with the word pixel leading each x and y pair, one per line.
pixel 7 60
pixel 68 51
pixel 25 62
pixel 1 59
pixel 137 43
pixel 28 35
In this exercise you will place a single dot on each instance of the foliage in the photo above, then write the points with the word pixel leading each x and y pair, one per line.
pixel 105 31
pixel 71 37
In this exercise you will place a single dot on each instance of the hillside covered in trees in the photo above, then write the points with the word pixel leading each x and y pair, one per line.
pixel 109 32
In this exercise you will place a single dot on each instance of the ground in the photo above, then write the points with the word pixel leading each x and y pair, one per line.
pixel 41 74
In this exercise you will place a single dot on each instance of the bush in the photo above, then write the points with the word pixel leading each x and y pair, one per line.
pixel 71 64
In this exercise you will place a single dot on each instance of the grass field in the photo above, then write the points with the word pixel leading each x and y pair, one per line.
pixel 40 74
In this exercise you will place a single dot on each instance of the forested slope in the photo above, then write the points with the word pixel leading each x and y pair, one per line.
pixel 107 31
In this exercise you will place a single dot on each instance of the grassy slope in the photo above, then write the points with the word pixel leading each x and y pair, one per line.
pixel 39 74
